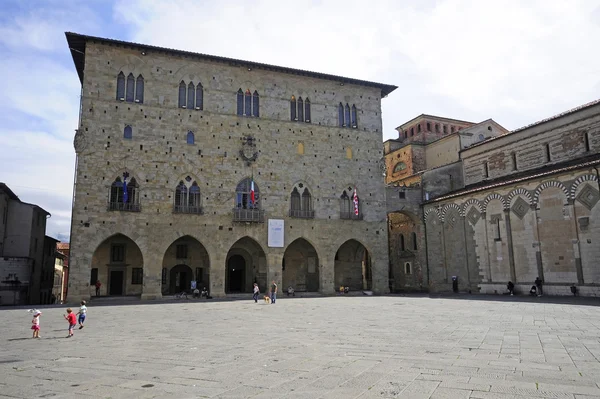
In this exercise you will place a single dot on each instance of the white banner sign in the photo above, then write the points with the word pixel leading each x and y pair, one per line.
pixel 275 237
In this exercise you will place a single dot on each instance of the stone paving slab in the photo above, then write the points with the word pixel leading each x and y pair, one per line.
pixel 336 347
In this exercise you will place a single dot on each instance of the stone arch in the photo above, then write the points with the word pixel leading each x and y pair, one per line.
pixel 545 185
pixel 300 267
pixel 581 179
pixel 516 192
pixel 447 207
pixel 491 197
pixel 192 260
pixel 468 203
pixel 435 212
pixel 240 275
pixel 352 266
pixel 112 174
pixel 119 264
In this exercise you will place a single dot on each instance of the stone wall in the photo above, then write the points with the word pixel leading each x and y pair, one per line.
pixel 332 160
pixel 568 137
pixel 15 277
pixel 442 180
pixel 541 227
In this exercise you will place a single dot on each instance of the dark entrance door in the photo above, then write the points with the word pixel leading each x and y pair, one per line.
pixel 116 282
pixel 236 273
pixel 181 276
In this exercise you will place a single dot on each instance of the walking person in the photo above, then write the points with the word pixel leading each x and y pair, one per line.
pixel 255 293
pixel 273 292
pixel 82 313
pixel 35 323
pixel 98 285
pixel 538 285
pixel 70 317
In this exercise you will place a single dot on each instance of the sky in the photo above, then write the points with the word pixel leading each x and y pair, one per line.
pixel 514 61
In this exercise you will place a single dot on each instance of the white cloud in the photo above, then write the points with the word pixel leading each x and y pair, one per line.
pixel 514 61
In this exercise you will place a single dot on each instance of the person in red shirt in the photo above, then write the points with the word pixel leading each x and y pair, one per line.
pixel 70 317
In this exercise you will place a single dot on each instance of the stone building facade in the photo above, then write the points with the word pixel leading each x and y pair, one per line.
pixel 529 209
pixel 186 162
pixel 23 251
pixel 422 163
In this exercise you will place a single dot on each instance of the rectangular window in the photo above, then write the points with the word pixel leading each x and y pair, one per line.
pixel 137 275
pixel 586 139
pixel 445 129
pixel 182 251
pixel 199 274
pixel 94 276
pixel 117 253
pixel 498 229
pixel 402 194
pixel 548 155
pixel 514 160
pixel 485 170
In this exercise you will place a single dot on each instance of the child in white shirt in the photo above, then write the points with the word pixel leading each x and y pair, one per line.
pixel 82 313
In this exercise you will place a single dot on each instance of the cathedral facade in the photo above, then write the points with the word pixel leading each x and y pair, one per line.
pixel 196 169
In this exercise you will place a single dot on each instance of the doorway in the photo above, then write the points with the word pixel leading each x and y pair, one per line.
pixel 236 273
pixel 116 282
pixel 181 276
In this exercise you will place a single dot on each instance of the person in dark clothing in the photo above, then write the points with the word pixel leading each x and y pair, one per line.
pixel 511 288
pixel 538 286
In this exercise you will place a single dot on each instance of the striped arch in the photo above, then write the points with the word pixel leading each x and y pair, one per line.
pixel 545 185
pixel 578 181
pixel 491 197
pixel 517 192
pixel 471 201
pixel 431 210
pixel 447 207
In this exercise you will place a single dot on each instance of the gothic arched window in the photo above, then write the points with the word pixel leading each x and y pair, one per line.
pixel 347 116
pixel 293 109
pixel 127 132
pixel 187 197
pixel 190 137
pixel 341 115
pixel 344 204
pixel 295 203
pixel 182 97
pixel 307 110
pixel 200 96
pixel 240 102
pixel 414 240
pixel 402 246
pixel 301 205
pixel 121 86
pixel 354 122
pixel 243 195
pixel 118 201
pixel 300 109
pixel 130 88
pixel 139 90
pixel 255 104
pixel 191 96
pixel 248 103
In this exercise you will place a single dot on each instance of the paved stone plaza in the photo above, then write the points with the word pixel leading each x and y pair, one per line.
pixel 350 347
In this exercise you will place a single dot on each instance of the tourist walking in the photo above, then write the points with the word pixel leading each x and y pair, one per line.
pixel 70 317
pixel 255 293
pixel 35 323
pixel 82 313
pixel 98 285
pixel 273 292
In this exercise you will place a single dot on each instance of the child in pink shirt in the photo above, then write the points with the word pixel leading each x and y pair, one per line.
pixel 35 323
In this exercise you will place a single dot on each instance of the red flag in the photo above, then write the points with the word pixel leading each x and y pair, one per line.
pixel 252 199
pixel 355 202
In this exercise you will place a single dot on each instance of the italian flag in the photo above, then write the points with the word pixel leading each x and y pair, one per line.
pixel 252 199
